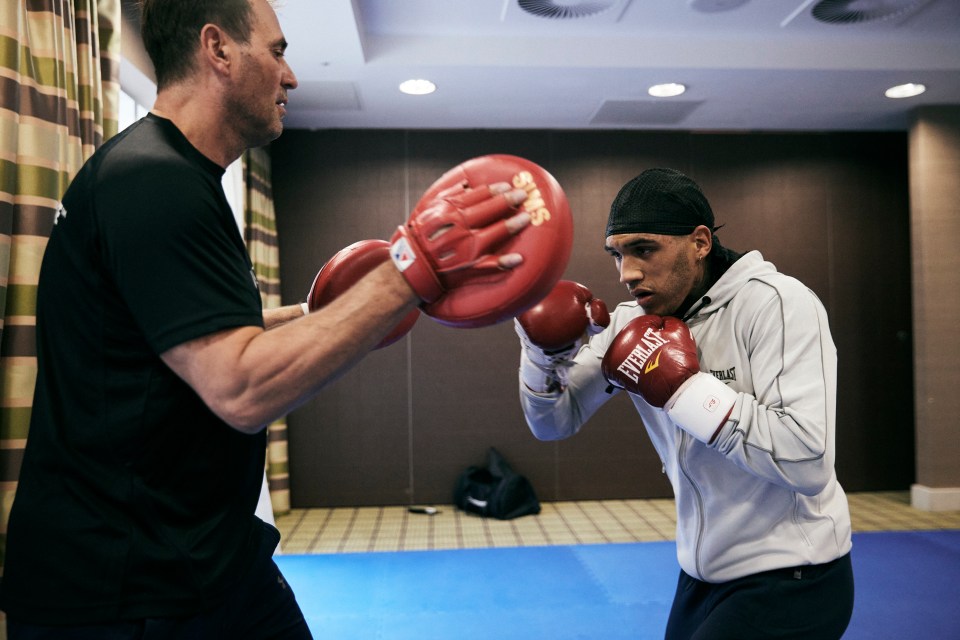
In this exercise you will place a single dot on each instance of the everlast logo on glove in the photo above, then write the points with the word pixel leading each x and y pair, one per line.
pixel 651 357
pixel 636 363
pixel 695 401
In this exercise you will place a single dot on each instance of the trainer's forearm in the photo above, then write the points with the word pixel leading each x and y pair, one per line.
pixel 250 377
pixel 273 318
pixel 291 363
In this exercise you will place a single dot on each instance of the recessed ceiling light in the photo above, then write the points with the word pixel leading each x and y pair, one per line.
pixel 667 90
pixel 905 90
pixel 417 87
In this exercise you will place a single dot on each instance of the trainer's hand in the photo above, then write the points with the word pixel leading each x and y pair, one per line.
pixel 551 334
pixel 656 358
pixel 454 237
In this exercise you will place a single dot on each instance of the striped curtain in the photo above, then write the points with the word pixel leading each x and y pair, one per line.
pixel 260 231
pixel 59 95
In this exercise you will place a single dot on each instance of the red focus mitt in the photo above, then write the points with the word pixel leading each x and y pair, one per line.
pixel 449 248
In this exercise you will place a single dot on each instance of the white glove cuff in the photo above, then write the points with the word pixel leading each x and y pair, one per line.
pixel 541 358
pixel 543 372
pixel 701 405
pixel 534 377
pixel 305 308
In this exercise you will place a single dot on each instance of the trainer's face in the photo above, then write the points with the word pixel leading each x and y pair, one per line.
pixel 259 97
pixel 660 271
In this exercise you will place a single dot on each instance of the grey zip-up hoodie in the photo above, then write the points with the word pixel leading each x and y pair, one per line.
pixel 764 494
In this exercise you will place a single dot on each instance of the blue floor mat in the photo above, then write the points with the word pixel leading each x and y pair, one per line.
pixel 907 586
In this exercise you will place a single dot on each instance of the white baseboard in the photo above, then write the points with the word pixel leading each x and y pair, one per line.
pixel 935 498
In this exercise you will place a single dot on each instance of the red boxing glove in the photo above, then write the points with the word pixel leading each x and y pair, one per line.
pixel 550 333
pixel 560 319
pixel 344 270
pixel 652 357
pixel 656 358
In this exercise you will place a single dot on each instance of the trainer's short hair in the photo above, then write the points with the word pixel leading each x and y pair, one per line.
pixel 171 30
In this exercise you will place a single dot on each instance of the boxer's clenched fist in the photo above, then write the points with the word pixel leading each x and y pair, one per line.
pixel 551 333
pixel 656 358
pixel 561 318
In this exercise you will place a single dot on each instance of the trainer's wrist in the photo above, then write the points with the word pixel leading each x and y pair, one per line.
pixel 414 267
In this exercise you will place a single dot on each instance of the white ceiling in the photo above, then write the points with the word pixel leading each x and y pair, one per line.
pixel 749 64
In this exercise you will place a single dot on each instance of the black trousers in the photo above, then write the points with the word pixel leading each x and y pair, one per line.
pixel 813 602
pixel 262 607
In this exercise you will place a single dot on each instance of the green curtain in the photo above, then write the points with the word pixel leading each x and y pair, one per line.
pixel 59 93
pixel 260 233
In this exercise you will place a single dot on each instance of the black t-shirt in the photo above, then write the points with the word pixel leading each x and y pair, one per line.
pixel 134 500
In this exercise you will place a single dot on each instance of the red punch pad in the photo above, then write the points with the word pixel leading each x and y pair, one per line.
pixel 545 245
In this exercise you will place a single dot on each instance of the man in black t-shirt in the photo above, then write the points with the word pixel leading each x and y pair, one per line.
pixel 158 370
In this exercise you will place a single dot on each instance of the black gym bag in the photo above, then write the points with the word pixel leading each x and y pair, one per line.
pixel 495 490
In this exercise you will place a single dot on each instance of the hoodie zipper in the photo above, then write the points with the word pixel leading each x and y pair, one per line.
pixel 681 459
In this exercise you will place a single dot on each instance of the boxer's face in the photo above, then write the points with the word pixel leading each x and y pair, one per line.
pixel 660 271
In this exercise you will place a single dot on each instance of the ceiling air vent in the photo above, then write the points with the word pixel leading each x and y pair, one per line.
pixel 715 6
pixel 857 11
pixel 563 9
